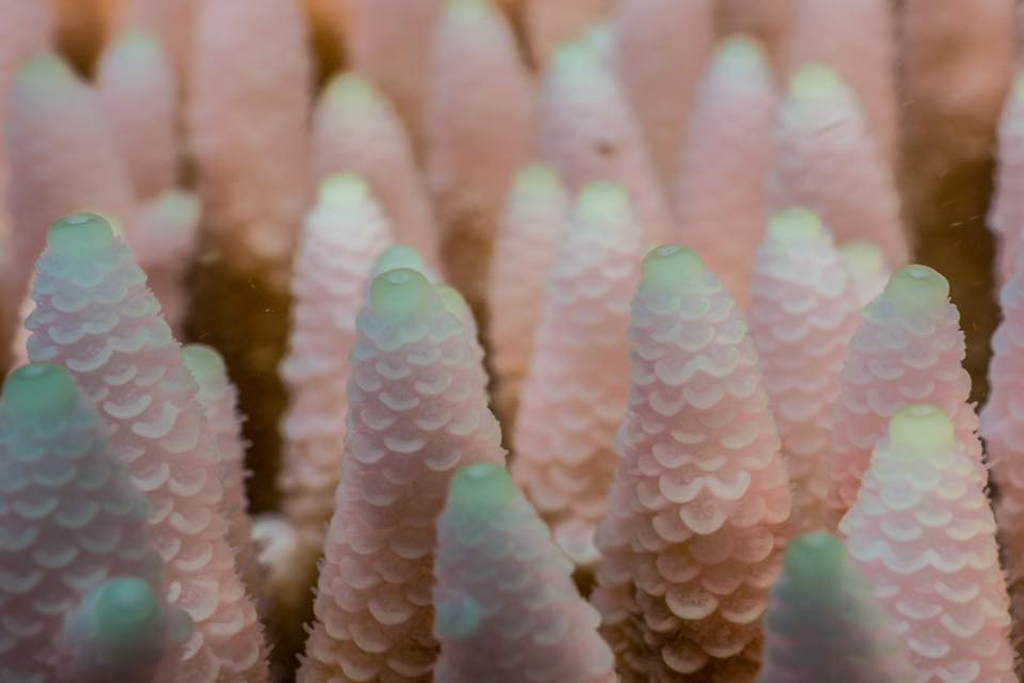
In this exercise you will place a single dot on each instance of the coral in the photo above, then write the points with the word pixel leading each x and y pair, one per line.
pixel 480 124
pixel 824 623
pixel 1002 426
pixel 355 130
pixel 79 574
pixel 95 316
pixel 857 39
pixel 342 237
pixel 138 92
pixel 1006 216
pixel 803 314
pixel 693 536
pixel 417 410
pixel 661 48
pixel 923 533
pixel 552 22
pixel 219 399
pixel 868 271
pixel 533 223
pixel 506 606
pixel 829 162
pixel 574 395
pixel 587 132
pixel 907 349
pixel 172 22
pixel 721 191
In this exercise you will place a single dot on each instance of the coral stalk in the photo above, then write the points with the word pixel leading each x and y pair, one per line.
pixel 533 223
pixel 507 609
pixel 417 410
pixel 120 351
pixel 574 395
pixel 1006 216
pixel 721 191
pixel 923 533
pixel 803 314
pixel 80 574
pixel 908 348
pixel 693 536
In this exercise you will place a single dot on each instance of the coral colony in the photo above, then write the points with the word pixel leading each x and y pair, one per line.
pixel 511 341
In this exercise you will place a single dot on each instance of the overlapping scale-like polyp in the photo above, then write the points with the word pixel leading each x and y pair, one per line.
pixel 343 235
pixel 661 48
pixel 907 349
pixel 574 395
pixel 506 607
pixel 480 121
pixel 61 154
pixel 355 130
pixel 868 270
pixel 721 191
pixel 803 313
pixel 1006 217
pixel 587 131
pixel 824 623
pixel 79 581
pixel 923 533
pixel 417 410
pixel 219 398
pixel 857 39
pixel 532 224
pixel 693 535
pixel 138 91
pixel 1002 425
pixel 829 162
pixel 95 316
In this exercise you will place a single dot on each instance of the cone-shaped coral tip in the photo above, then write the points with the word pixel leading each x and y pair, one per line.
pixel 480 489
pixel 921 427
pixel 863 259
pixel 400 256
pixel 577 54
pixel 351 88
pixel 41 390
pixel 673 266
pixel 795 225
pixel 916 287
pixel 814 560
pixel 126 609
pixel 537 177
pixel 602 203
pixel 399 293
pixel 342 190
pixel 45 69
pixel 80 235
pixel 814 83
pixel 203 361
pixel 739 53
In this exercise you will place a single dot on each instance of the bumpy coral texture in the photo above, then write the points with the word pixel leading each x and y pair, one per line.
pixel 1006 217
pixel 342 237
pixel 1002 425
pixel 389 41
pixel 533 223
pixel 507 609
pixel 908 348
pixel 417 410
pixel 588 132
pixel 661 48
pixel 138 91
pixel 693 536
pixel 574 396
pixel 721 192
pixel 803 314
pixel 923 533
pixel 829 162
pixel 248 141
pixel 70 519
pixel 95 316
pixel 480 122
pixel 824 623
pixel 61 154
pixel 219 399
pixel 857 39
pixel 551 22
pixel 356 130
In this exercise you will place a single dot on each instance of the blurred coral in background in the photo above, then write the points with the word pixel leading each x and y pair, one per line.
pixel 511 340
